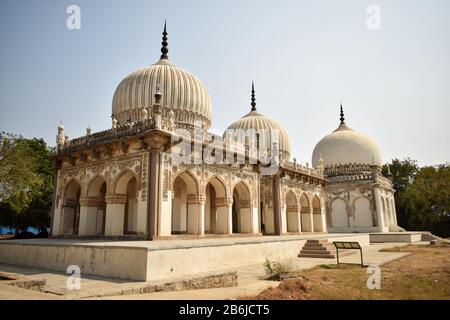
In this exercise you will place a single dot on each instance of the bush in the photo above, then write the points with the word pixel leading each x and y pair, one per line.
pixel 278 270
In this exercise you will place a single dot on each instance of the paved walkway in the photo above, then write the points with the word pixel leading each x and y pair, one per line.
pixel 250 278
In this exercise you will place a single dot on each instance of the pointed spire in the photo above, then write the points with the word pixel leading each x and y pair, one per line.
pixel 164 49
pixel 342 115
pixel 253 104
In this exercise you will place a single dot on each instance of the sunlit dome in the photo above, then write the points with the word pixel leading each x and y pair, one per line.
pixel 181 92
pixel 265 126
pixel 346 146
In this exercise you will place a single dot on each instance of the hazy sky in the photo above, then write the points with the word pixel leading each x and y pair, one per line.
pixel 304 56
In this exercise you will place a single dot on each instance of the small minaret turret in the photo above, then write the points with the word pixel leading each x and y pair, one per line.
pixel 60 137
pixel 157 114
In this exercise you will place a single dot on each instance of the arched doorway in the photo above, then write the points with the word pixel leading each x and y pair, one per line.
pixel 241 216
pixel 363 214
pixel 339 215
pixel 317 214
pixel 292 213
pixel 130 220
pixel 185 205
pixel 216 207
pixel 71 209
pixel 93 208
pixel 305 211
pixel 121 215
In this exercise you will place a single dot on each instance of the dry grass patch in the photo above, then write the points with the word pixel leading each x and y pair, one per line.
pixel 424 274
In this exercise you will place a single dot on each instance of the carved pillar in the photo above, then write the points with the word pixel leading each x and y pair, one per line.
pixel 57 170
pixel 379 209
pixel 153 193
pixel 276 190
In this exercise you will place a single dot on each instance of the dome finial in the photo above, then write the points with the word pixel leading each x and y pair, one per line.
pixel 164 49
pixel 342 115
pixel 253 97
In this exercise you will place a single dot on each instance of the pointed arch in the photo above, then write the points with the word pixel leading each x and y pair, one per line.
pixel 339 212
pixel 95 184
pixel 292 212
pixel 192 183
pixel 71 208
pixel 185 203
pixel 305 213
pixel 120 182
pixel 363 213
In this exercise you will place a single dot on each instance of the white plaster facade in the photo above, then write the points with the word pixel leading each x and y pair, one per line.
pixel 126 182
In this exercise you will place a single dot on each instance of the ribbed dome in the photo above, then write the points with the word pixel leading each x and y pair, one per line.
pixel 346 146
pixel 181 91
pixel 268 128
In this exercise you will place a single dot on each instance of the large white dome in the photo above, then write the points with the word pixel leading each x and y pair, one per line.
pixel 268 129
pixel 180 91
pixel 346 146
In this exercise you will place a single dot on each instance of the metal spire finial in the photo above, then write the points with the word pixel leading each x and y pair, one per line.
pixel 342 115
pixel 164 49
pixel 253 97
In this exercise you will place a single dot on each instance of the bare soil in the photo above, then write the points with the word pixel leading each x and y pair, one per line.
pixel 424 274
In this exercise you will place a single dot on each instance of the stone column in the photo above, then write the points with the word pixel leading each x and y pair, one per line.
pixel 276 203
pixel 230 218
pixel 56 181
pixel 379 212
pixel 115 214
pixel 153 193
pixel 311 214
pixel 299 218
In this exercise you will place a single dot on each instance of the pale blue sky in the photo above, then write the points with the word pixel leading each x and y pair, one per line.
pixel 304 56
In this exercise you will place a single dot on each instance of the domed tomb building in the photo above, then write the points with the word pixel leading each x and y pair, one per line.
pixel 158 173
pixel 358 197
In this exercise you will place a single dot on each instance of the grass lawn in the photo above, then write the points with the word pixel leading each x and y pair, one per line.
pixel 424 274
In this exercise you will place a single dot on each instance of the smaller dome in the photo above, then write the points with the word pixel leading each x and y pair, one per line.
pixel 346 146
pixel 268 129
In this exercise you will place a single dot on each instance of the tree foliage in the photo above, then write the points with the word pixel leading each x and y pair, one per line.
pixel 422 196
pixel 26 182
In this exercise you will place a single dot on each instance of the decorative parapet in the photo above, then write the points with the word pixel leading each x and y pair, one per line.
pixel 356 173
pixel 121 131
pixel 301 169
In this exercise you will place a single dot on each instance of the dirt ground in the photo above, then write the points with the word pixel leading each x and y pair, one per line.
pixel 424 274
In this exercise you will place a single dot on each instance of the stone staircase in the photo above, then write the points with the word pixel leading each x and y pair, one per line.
pixel 321 249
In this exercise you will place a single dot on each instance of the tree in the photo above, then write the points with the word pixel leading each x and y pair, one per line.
pixel 427 200
pixel 422 196
pixel 26 182
pixel 403 174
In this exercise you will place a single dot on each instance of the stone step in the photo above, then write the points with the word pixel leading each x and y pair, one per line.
pixel 324 252
pixel 315 245
pixel 316 248
pixel 316 241
pixel 312 255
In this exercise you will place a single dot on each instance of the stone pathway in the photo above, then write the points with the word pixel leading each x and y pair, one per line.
pixel 250 278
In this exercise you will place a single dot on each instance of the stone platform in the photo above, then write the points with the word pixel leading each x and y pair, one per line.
pixel 156 260
pixel 404 237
